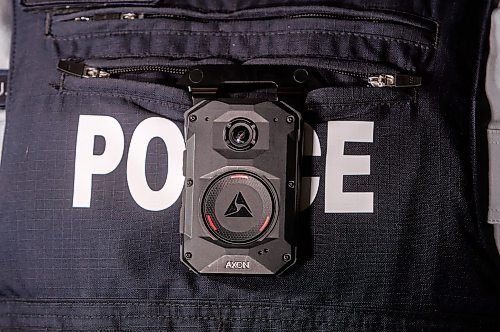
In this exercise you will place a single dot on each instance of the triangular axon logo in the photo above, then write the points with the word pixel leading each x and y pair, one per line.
pixel 238 207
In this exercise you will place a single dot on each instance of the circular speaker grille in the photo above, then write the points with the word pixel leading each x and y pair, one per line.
pixel 238 207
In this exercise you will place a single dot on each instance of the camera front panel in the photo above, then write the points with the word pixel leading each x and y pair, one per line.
pixel 241 195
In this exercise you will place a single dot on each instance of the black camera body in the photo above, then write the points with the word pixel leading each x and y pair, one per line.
pixel 241 198
pixel 241 195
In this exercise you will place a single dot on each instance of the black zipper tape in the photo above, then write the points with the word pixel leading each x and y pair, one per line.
pixel 88 3
pixel 217 74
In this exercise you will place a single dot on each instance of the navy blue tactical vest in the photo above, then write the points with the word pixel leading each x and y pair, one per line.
pixel 392 233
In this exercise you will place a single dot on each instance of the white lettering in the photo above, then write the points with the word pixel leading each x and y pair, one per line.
pixel 136 164
pixel 338 164
pixel 86 162
pixel 237 265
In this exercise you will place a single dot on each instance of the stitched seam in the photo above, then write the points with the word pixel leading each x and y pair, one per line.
pixel 307 319
pixel 353 311
pixel 401 12
pixel 351 19
pixel 323 117
pixel 267 56
pixel 48 24
pixel 436 28
pixel 64 90
pixel 13 66
pixel 264 56
pixel 202 56
pixel 108 303
pixel 221 305
pixel 253 319
pixel 132 97
pixel 430 321
pixel 437 36
pixel 320 105
pixel 29 4
pixel 315 56
pixel 235 34
pixel 222 11
pixel 362 16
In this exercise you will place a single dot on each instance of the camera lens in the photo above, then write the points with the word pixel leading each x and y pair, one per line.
pixel 240 134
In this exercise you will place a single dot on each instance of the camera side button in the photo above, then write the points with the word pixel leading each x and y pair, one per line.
pixel 184 160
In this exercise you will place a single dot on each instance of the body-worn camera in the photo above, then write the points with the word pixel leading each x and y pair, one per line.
pixel 242 158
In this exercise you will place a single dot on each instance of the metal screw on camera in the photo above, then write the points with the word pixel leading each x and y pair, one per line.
pixel 291 184
pixel 188 255
pixel 289 119
pixel 189 182
pixel 192 118
pixel 287 257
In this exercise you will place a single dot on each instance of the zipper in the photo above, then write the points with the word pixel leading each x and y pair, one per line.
pixel 394 81
pixel 135 16
pixel 141 16
pixel 80 69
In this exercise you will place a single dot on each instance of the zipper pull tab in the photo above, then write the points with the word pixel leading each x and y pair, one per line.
pixel 131 16
pixel 110 16
pixel 82 18
pixel 81 70
pixel 394 81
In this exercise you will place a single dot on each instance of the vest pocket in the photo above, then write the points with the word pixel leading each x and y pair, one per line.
pixel 116 153
pixel 405 41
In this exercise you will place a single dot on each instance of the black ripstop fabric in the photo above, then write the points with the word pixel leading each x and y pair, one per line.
pixel 423 260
